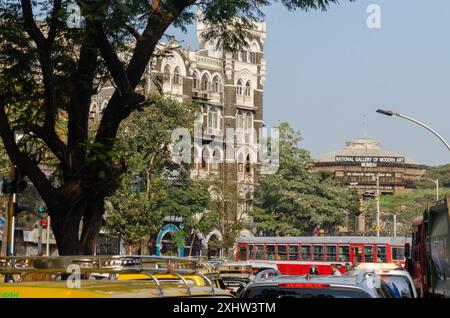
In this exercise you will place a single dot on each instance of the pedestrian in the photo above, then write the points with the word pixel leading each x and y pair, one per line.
pixel 335 271
pixel 313 270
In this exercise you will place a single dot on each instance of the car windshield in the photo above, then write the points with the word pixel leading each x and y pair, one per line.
pixel 400 285
pixel 276 292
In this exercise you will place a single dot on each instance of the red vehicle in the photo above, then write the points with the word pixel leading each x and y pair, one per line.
pixel 429 262
pixel 304 255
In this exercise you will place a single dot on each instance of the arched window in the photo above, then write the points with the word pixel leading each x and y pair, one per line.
pixel 248 121
pixel 205 82
pixel 239 88
pixel 244 56
pixel 213 118
pixel 166 74
pixel 254 50
pixel 215 160
pixel 93 111
pixel 103 107
pixel 248 88
pixel 239 120
pixel 204 164
pixel 247 164
pixel 176 76
pixel 195 83
pixel 216 84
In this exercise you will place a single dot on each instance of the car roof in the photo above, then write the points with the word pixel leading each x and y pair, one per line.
pixel 387 272
pixel 341 282
pixel 108 289
pixel 384 266
pixel 332 280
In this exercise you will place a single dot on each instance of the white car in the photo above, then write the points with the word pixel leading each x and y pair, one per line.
pixel 398 279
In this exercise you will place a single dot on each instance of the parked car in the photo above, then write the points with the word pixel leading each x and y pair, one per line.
pixel 398 279
pixel 106 277
pixel 311 286
pixel 236 275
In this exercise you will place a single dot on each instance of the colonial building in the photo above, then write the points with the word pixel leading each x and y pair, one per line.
pixel 362 162
pixel 228 87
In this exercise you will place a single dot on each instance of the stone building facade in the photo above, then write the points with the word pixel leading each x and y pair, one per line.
pixel 228 88
pixel 358 165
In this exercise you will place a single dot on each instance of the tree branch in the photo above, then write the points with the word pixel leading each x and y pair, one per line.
pixel 158 21
pixel 81 93
pixel 44 58
pixel 53 23
pixel 30 168
pixel 134 32
pixel 30 26
pixel 112 61
pixel 55 144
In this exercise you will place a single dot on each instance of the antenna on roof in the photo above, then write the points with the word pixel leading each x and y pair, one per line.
pixel 365 131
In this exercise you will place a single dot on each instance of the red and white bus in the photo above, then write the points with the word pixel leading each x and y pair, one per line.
pixel 302 255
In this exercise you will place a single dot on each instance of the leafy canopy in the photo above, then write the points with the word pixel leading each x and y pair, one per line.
pixel 153 186
pixel 294 200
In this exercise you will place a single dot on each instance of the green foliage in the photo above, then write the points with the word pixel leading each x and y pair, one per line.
pixel 153 186
pixel 222 213
pixel 442 173
pixel 407 206
pixel 49 71
pixel 4 161
pixel 293 200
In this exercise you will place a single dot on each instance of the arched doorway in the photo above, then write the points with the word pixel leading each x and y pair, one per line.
pixel 168 246
pixel 165 243
pixel 214 246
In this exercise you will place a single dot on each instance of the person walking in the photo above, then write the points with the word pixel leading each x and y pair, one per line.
pixel 335 271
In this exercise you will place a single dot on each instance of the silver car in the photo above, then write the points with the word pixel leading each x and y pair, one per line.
pixel 312 286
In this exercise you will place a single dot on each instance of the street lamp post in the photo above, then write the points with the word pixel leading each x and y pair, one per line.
pixel 378 205
pixel 395 225
pixel 390 113
pixel 436 182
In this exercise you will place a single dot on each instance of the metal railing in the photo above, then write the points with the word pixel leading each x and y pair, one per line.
pixel 98 264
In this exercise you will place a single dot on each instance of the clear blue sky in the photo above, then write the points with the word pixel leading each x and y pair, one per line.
pixel 326 70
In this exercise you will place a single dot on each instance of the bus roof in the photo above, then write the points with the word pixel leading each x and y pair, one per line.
pixel 325 240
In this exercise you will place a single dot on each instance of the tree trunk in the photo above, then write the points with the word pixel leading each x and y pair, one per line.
pixel 76 227
pixel 132 248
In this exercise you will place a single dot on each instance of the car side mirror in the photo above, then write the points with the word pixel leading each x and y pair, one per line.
pixel 407 250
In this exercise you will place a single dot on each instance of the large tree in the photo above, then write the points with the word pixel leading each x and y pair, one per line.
pixel 154 186
pixel 295 200
pixel 50 70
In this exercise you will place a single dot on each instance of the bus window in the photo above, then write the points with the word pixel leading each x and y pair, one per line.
pixel 270 252
pixel 398 253
pixel 331 253
pixel 243 253
pixel 368 254
pixel 381 254
pixel 306 252
pixel 357 254
pixel 344 253
pixel 258 252
pixel 281 252
pixel 318 253
pixel 293 252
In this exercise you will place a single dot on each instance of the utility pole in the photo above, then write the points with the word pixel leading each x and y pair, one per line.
pixel 395 225
pixel 10 215
pixel 39 238
pixel 378 205
pixel 10 221
pixel 436 182
pixel 437 189
pixel 47 250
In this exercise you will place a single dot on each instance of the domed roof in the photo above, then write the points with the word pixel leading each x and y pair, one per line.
pixel 363 148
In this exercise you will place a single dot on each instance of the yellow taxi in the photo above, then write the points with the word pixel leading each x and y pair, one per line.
pixel 133 277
